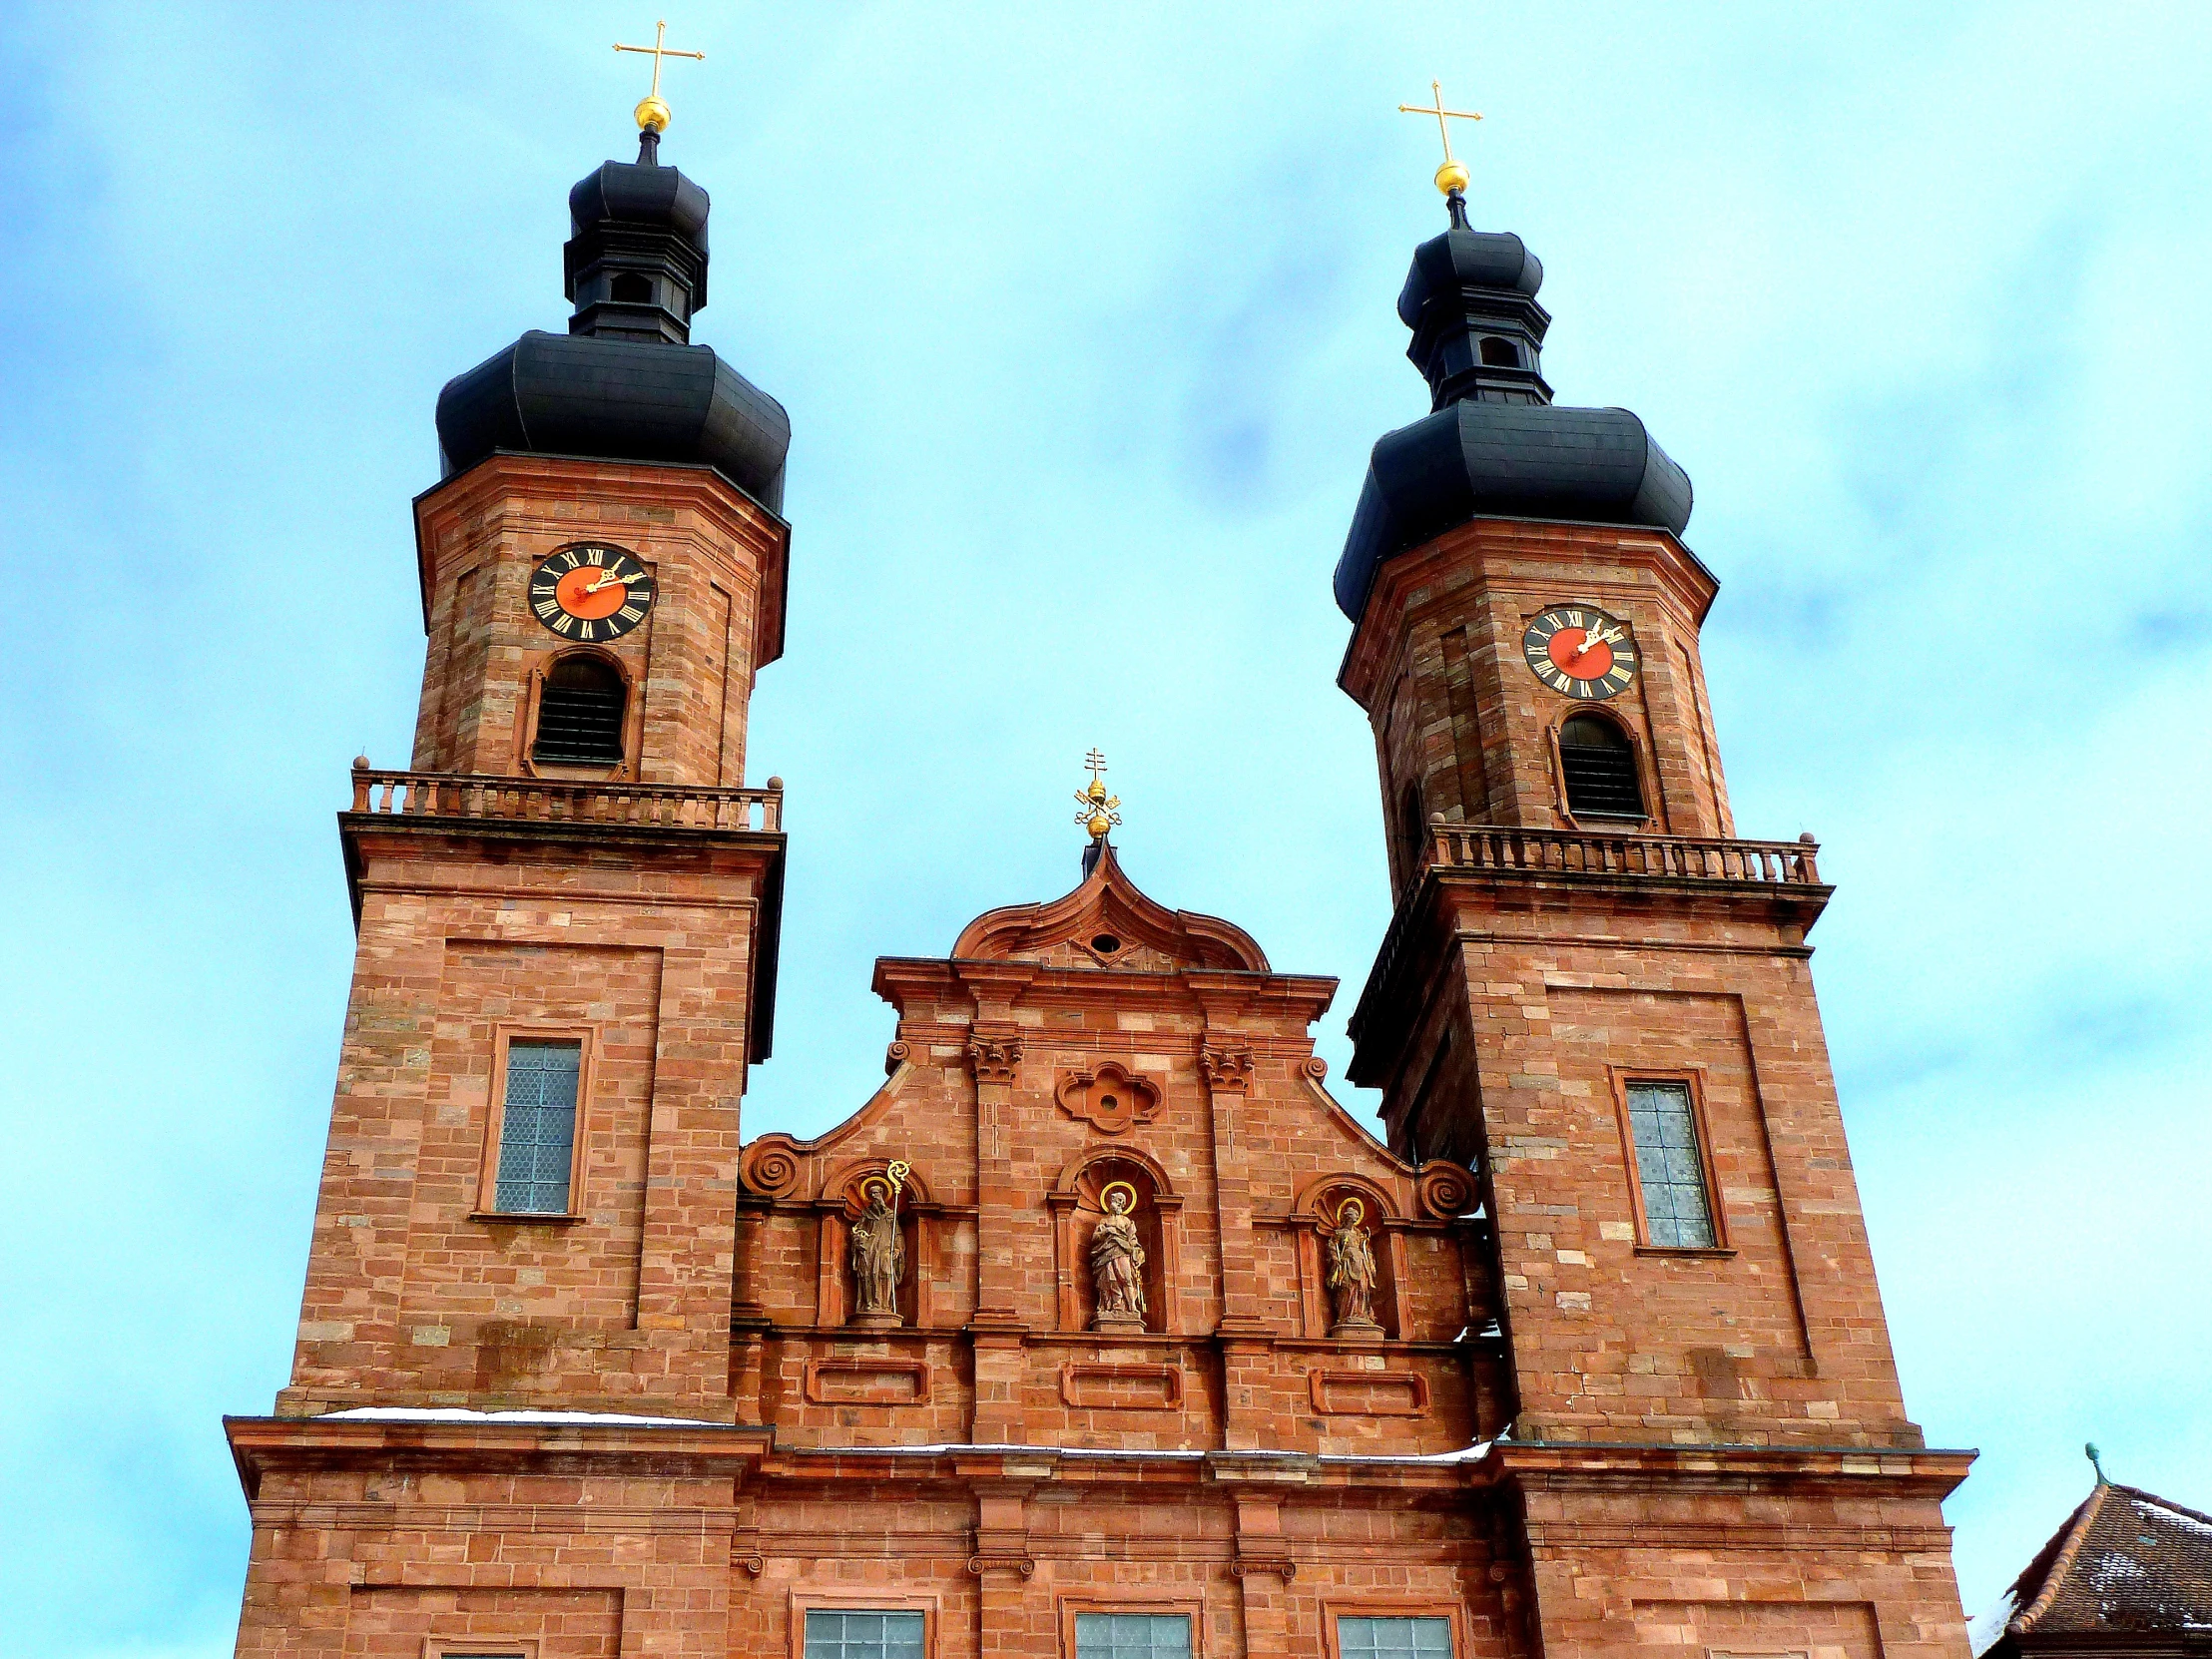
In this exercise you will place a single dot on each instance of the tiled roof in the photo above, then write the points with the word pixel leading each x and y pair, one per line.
pixel 2125 1560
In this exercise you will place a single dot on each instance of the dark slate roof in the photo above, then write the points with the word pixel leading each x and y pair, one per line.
pixel 617 399
pixel 1494 445
pixel 2126 1561
pixel 1468 258
pixel 1507 461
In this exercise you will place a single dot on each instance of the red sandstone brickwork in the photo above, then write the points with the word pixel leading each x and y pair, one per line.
pixel 993 1462
pixel 1461 726
pixel 415 1298
pixel 717 560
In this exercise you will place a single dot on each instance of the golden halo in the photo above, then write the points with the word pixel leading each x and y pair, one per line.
pixel 1112 1186
pixel 876 1183
pixel 1355 1209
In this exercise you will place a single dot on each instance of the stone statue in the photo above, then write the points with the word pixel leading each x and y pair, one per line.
pixel 878 1258
pixel 1117 1264
pixel 1351 1276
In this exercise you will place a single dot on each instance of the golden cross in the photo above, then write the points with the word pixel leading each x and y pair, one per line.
pixel 1453 176
pixel 1094 762
pixel 651 106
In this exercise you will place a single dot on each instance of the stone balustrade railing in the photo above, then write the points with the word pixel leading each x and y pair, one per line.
pixel 448 795
pixel 1630 857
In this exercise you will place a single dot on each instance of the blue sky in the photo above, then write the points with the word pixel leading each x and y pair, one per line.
pixel 1084 320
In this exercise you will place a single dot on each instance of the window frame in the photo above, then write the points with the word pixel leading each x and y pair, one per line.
pixel 458 1647
pixel 1192 1607
pixel 1691 1078
pixel 1647 775
pixel 504 1035
pixel 803 1602
pixel 1333 1608
pixel 633 716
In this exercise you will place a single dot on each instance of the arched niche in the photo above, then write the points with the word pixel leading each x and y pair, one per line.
pixel 844 1196
pixel 1077 1203
pixel 1315 1215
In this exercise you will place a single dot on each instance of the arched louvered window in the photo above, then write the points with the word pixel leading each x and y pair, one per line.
pixel 580 713
pixel 1500 353
pixel 1599 762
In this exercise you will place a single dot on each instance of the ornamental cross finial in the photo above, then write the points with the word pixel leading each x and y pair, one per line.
pixel 1098 814
pixel 653 115
pixel 1452 178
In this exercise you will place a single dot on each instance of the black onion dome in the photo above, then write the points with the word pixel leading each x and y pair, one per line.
pixel 624 384
pixel 616 400
pixel 1494 444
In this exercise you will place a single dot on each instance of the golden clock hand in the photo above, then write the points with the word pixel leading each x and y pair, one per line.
pixel 613 576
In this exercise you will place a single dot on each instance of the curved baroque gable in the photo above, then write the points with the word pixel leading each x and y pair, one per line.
pixel 1108 922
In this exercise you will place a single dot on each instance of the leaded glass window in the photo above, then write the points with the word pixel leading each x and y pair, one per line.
pixel 537 1127
pixel 1132 1636
pixel 1423 1638
pixel 850 1633
pixel 1669 1168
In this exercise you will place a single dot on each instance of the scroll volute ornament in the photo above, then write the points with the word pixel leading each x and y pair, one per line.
pixel 1445 1190
pixel 1111 1099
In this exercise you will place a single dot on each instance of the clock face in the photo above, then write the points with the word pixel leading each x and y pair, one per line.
pixel 1580 651
pixel 591 593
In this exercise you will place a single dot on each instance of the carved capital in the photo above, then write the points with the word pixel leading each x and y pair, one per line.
pixel 1280 1566
pixel 995 1056
pixel 1228 1067
pixel 981 1564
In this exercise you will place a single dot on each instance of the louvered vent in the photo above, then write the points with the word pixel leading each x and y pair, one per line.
pixel 580 714
pixel 1601 766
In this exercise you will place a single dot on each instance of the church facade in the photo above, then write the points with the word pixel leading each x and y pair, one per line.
pixel 1101 1331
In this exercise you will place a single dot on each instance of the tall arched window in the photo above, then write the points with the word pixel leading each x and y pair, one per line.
pixel 1599 763
pixel 580 713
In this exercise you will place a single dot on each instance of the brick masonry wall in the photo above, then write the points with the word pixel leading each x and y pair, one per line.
pixel 414 1298
pixel 717 562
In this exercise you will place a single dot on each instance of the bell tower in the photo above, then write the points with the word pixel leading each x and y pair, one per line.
pixel 1599 998
pixel 568 905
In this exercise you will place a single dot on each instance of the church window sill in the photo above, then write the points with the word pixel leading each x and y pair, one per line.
pixel 1695 1250
pixel 524 1218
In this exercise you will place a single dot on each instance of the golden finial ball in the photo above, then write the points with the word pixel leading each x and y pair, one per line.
pixel 1098 826
pixel 1097 791
pixel 1453 176
pixel 653 115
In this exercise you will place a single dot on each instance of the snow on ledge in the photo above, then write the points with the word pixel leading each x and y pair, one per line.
pixel 459 1413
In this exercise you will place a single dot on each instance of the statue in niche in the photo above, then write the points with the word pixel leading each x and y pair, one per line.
pixel 877 1255
pixel 1117 1263
pixel 1351 1274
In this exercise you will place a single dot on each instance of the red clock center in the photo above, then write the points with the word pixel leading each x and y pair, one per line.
pixel 576 596
pixel 1583 663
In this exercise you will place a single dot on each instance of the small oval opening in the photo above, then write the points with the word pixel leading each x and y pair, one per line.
pixel 1105 944
pixel 1107 1101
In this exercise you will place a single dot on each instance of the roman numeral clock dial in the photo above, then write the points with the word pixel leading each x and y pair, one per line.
pixel 1579 651
pixel 592 594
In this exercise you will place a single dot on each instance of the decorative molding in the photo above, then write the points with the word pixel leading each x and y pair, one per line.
pixel 771 1166
pixel 1315 1067
pixel 897 1055
pixel 994 1058
pixel 862 1369
pixel 1111 1099
pixel 1415 1385
pixel 1280 1566
pixel 1444 1190
pixel 754 1565
pixel 1227 1066
pixel 1074 1375
pixel 981 1564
